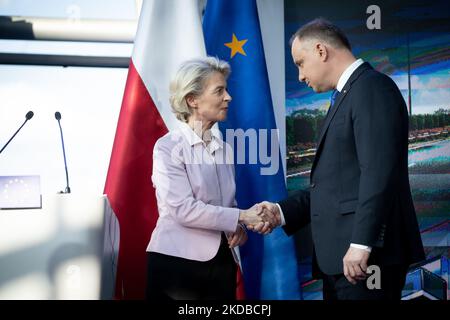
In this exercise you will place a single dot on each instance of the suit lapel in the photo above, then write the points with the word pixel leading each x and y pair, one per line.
pixel 331 114
pixel 334 109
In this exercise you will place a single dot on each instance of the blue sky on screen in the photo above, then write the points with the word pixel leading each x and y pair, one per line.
pixel 424 24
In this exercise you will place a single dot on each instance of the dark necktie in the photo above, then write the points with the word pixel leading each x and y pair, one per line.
pixel 333 98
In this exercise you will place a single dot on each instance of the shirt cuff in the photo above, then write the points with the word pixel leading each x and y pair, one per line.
pixel 361 246
pixel 283 221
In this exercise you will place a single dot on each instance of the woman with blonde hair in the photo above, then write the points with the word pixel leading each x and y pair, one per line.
pixel 190 254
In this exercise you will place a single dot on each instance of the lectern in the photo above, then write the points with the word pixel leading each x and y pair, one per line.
pixel 67 249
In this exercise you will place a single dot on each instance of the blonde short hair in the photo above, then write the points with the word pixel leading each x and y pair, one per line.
pixel 190 79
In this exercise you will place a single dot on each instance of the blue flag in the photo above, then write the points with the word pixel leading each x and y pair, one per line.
pixel 232 33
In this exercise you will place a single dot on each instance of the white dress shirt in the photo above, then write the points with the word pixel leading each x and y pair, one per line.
pixel 347 74
pixel 340 85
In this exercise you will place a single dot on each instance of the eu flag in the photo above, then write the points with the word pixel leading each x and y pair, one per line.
pixel 232 33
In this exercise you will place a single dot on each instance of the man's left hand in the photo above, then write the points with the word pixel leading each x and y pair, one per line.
pixel 355 264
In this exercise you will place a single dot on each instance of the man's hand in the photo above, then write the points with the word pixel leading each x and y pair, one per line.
pixel 355 264
pixel 237 238
pixel 271 218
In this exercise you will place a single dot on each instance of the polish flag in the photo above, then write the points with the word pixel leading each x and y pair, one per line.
pixel 169 33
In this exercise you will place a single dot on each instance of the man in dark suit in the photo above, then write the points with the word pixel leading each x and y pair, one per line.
pixel 359 202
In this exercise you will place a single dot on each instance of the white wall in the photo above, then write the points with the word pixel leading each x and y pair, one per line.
pixel 271 18
pixel 89 100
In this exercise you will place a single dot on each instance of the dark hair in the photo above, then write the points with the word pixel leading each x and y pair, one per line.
pixel 324 30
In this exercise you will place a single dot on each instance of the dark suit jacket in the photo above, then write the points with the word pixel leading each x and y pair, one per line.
pixel 359 191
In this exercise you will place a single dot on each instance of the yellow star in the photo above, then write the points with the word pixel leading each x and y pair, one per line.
pixel 236 46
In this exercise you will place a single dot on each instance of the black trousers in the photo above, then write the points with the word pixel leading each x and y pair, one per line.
pixel 337 287
pixel 174 278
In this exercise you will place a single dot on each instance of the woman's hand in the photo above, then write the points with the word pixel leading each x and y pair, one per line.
pixel 251 216
pixel 237 238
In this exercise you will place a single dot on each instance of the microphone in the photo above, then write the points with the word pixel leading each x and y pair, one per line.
pixel 28 116
pixel 58 117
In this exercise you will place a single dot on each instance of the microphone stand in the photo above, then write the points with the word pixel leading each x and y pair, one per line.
pixel 64 154
pixel 28 116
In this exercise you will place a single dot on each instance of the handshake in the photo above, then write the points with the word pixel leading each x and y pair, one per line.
pixel 262 217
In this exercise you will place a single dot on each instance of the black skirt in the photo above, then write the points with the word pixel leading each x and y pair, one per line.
pixel 174 278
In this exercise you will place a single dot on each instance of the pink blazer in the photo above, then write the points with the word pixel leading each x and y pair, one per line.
pixel 195 191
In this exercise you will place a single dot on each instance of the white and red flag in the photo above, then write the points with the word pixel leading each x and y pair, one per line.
pixel 169 33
